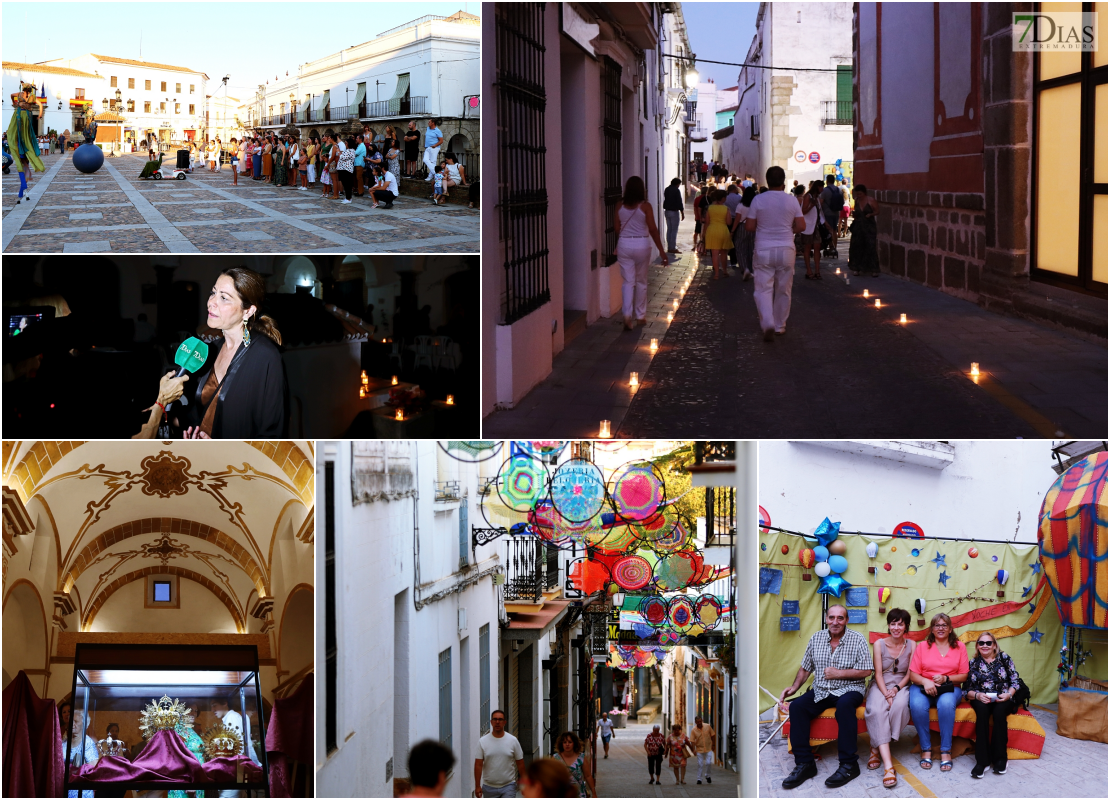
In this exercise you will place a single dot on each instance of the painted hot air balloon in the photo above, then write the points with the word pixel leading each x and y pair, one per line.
pixel 872 549
pixel 807 558
pixel 1002 576
pixel 1072 538
pixel 919 604
pixel 884 594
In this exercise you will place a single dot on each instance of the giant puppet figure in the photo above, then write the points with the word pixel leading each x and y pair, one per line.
pixel 22 137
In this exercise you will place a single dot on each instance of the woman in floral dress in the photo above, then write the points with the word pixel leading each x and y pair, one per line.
pixel 569 748
pixel 676 741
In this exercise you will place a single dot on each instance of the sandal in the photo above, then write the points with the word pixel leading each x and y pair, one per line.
pixel 926 763
pixel 875 761
pixel 890 778
pixel 946 766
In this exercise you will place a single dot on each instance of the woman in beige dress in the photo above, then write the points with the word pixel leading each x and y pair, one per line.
pixel 887 709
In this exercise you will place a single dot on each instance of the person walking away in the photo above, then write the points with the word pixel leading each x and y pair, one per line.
pixel 701 203
pixel 605 728
pixel 732 202
pixel 635 229
pixel 433 136
pixel 844 210
pixel 704 739
pixel 219 154
pixel 570 751
pixel 674 210
pixel 743 240
pixel 717 240
pixel 676 752
pixel 500 759
pixel 774 217
pixel 887 709
pixel 839 660
pixel 811 235
pixel 429 765
pixel 831 203
pixel 863 248
pixel 654 744
pixel 345 168
pixel 992 683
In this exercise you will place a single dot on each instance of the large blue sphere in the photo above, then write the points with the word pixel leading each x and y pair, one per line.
pixel 88 158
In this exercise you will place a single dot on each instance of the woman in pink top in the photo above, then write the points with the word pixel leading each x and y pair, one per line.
pixel 935 670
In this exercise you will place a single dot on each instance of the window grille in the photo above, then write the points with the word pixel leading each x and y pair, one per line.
pixel 464 534
pixel 483 677
pixel 522 181
pixel 611 151
pixel 445 697
pixel 331 737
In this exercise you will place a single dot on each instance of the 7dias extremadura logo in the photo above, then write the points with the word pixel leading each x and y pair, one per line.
pixel 1056 31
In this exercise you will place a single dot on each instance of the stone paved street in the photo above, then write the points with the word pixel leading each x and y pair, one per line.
pixel 844 368
pixel 113 210
pixel 624 773
pixel 1066 768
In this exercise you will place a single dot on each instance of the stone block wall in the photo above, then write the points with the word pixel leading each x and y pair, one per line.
pixel 934 238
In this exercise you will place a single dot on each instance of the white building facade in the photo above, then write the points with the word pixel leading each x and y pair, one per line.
pixel 69 94
pixel 705 121
pixel 162 101
pixel 593 102
pixel 800 121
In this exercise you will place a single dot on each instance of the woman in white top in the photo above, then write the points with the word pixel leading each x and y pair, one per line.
pixel 455 175
pixel 811 236
pixel 635 227
pixel 294 161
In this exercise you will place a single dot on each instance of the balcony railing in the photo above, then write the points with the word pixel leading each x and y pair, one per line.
pixel 699 134
pixel 342 113
pixel 720 516
pixel 551 569
pixel 708 452
pixel 447 491
pixel 838 112
pixel 524 569
pixel 406 107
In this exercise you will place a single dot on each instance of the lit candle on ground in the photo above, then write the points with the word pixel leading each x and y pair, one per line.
pixel 878 303
pixel 670 316
pixel 603 430
pixel 866 293
pixel 400 415
pixel 450 399
pixel 365 378
pixel 838 270
pixel 675 305
pixel 902 319
pixel 654 345
pixel 634 379
pixel 394 380
pixel 975 368
pixel 362 393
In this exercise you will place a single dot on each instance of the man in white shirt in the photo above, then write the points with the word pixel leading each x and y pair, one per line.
pixel 500 759
pixel 774 217
pixel 385 189
pixel 605 728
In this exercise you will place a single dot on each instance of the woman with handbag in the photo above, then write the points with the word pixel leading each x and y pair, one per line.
pixel 935 671
pixel 887 701
pixel 678 749
pixel 991 685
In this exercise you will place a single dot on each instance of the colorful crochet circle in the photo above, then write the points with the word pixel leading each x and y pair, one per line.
pixel 632 572
pixel 540 448
pixel 522 481
pixel 708 611
pixel 637 491
pixel 675 571
pixel 680 613
pixel 578 490
pixel 654 610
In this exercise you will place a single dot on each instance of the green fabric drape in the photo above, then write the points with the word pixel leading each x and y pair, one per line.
pixel 21 136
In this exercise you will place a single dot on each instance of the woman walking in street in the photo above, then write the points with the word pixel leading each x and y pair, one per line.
pixel 569 748
pixel 863 249
pixel 718 220
pixel 742 238
pixel 233 156
pixel 700 204
pixel 811 236
pixel 634 225
pixel 676 753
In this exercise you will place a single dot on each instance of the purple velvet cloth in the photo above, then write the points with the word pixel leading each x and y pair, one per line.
pixel 223 770
pixel 289 736
pixel 165 758
pixel 34 759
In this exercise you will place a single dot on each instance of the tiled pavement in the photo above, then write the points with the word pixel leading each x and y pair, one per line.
pixel 624 773
pixel 1066 768
pixel 113 210
pixel 844 368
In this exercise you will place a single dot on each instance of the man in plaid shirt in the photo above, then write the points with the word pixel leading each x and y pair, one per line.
pixel 840 662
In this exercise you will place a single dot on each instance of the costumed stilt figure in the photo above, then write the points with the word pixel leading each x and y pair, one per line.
pixel 195 746
pixel 22 138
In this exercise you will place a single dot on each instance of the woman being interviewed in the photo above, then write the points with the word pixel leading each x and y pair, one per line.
pixel 888 702
pixel 935 671
pixel 240 390
pixel 991 685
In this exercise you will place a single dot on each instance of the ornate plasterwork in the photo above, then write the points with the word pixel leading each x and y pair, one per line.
pixel 381 470
pixel 164 475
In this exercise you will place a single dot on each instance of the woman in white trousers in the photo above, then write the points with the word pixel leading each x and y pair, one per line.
pixel 636 230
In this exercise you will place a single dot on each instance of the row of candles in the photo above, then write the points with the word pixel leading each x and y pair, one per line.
pixel 606 426
pixel 399 415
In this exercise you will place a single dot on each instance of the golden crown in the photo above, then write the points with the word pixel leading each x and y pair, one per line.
pixel 110 746
pixel 221 741
pixel 164 715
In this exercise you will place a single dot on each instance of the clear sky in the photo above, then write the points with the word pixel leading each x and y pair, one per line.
pixel 250 42
pixel 723 32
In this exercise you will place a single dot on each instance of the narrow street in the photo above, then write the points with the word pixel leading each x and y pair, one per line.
pixel 843 366
pixel 624 773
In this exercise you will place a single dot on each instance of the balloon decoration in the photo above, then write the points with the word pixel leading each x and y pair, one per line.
pixel 838 564
pixel 821 553
pixel 973 552
pixel 1072 536
pixel 822 569
pixel 833 585
pixel 919 605
pixel 872 549
pixel 826 532
pixel 807 558
pixel 838 547
pixel 883 594
pixel 785 549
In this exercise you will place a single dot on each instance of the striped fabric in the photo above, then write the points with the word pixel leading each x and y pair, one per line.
pixel 1026 736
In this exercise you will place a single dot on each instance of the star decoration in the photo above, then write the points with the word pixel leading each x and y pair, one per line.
pixel 833 584
pixel 1035 566
pixel 1035 636
pixel 1025 590
pixel 939 561
pixel 944 576
pixel 826 532
pixel 1032 607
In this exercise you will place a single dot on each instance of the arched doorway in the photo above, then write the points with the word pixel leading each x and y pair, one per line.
pixel 25 622
pixel 295 640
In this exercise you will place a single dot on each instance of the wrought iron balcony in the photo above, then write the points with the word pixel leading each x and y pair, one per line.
pixel 524 568
pixel 405 107
pixel 720 516
pixel 838 112
pixel 447 491
pixel 551 569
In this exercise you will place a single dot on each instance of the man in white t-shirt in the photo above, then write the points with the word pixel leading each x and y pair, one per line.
pixel 774 217
pixel 605 728
pixel 385 190
pixel 500 759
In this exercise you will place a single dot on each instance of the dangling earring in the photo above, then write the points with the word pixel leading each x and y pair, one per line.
pixel 246 334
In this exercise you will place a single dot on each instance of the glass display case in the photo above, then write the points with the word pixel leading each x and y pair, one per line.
pixel 182 718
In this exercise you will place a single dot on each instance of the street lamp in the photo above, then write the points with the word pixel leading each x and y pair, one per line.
pixel 691 76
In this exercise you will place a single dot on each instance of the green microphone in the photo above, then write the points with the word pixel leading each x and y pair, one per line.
pixel 190 356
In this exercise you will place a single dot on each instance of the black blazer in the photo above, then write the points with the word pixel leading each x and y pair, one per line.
pixel 252 398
